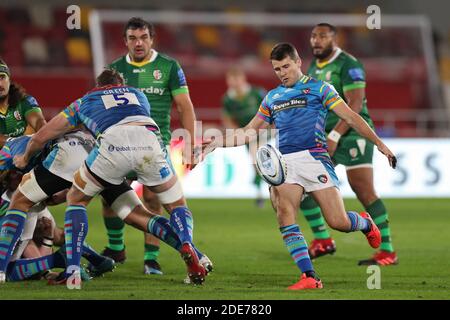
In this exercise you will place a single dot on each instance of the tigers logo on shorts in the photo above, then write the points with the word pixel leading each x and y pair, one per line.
pixel 323 178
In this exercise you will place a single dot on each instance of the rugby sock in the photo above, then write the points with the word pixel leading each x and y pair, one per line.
pixel 358 222
pixel 297 247
pixel 24 268
pixel 114 227
pixel 161 228
pixel 313 215
pixel 379 215
pixel 181 221
pixel 10 232
pixel 151 252
pixel 75 230
pixel 257 180
pixel 91 255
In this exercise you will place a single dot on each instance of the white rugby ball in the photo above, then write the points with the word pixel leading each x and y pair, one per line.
pixel 271 165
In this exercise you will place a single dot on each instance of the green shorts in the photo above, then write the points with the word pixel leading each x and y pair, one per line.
pixel 354 151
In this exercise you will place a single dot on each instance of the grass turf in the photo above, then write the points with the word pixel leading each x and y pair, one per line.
pixel 251 261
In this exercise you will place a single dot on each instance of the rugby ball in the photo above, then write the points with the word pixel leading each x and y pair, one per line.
pixel 271 165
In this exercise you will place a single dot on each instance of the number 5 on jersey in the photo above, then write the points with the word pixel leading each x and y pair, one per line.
pixel 115 100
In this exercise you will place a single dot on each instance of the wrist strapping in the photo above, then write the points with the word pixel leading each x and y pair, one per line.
pixel 334 136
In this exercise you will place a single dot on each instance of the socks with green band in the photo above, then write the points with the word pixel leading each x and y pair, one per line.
pixel 151 252
pixel 378 212
pixel 313 215
pixel 114 227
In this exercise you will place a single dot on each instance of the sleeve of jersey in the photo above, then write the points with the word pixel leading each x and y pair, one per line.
pixel 71 113
pixel 353 76
pixel 5 158
pixel 177 80
pixel 330 98
pixel 30 105
pixel 264 111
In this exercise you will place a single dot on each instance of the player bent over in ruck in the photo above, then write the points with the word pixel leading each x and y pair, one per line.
pixel 127 141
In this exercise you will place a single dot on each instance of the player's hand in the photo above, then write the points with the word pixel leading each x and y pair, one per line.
pixel 20 162
pixel 388 153
pixel 43 229
pixel 194 158
pixel 208 145
pixel 332 146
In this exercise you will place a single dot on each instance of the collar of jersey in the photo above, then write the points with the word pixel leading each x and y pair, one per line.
pixel 143 63
pixel 335 55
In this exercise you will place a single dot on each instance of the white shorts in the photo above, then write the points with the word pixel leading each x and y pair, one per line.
pixel 312 173
pixel 69 153
pixel 125 149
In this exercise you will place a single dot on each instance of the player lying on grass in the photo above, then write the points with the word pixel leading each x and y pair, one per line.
pixel 298 109
pixel 119 116
pixel 34 244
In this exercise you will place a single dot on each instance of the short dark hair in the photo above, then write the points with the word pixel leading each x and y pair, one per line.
pixel 139 23
pixel 329 26
pixel 283 50
pixel 109 77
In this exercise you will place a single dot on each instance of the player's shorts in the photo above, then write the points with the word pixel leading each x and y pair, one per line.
pixel 313 171
pixel 354 151
pixel 127 148
pixel 68 154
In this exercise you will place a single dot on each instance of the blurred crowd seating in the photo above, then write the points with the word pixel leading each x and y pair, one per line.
pixel 36 38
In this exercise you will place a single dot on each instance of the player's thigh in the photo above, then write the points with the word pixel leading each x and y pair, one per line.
pixel 361 182
pixel 332 206
pixel 42 184
pixel 151 200
pixel 286 200
pixel 120 200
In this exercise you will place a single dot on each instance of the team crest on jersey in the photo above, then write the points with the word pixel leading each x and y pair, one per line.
pixel 323 178
pixel 157 74
pixel 17 115
pixel 353 152
pixel 328 76
pixel 306 91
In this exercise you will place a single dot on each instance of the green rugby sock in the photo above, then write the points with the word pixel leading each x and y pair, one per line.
pixel 379 215
pixel 151 252
pixel 114 227
pixel 313 215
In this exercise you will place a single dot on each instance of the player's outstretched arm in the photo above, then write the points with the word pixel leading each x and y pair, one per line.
pixel 236 137
pixel 355 121
pixel 54 128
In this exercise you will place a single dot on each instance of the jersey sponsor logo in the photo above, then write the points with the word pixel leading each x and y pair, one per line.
pixel 357 74
pixel 112 148
pixel 293 103
pixel 139 70
pixel 322 178
pixel 153 90
pixel 17 115
pixel 157 74
pixel 182 78
pixel 164 172
pixel 276 96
